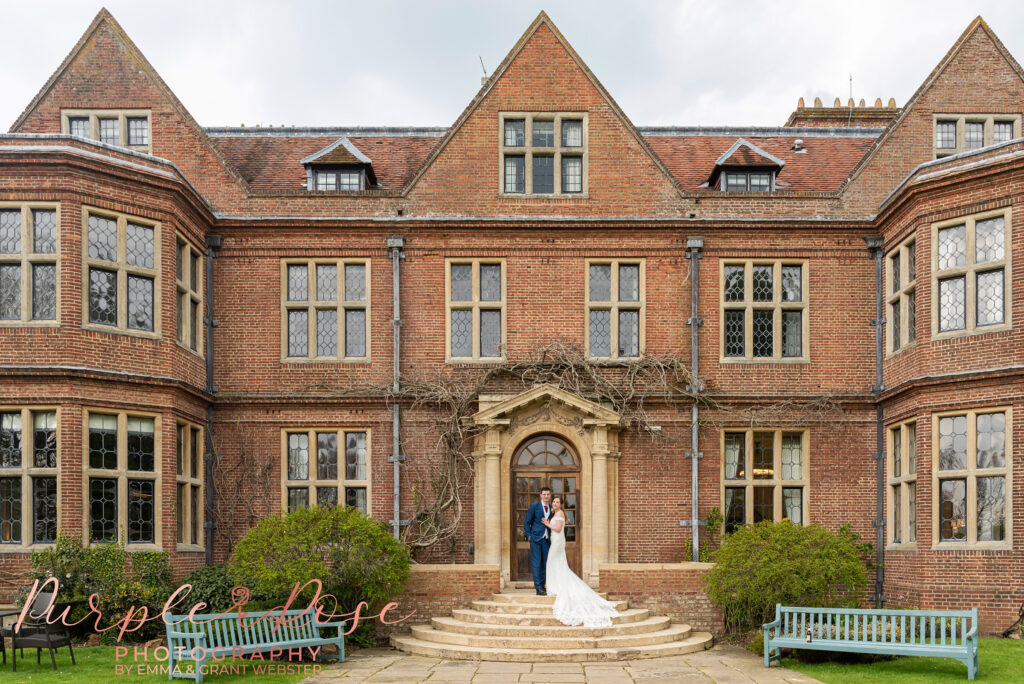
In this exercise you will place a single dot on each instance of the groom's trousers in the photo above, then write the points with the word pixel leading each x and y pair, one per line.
pixel 539 562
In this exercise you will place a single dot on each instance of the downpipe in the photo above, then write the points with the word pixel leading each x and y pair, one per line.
pixel 876 249
pixel 213 245
pixel 694 245
pixel 395 250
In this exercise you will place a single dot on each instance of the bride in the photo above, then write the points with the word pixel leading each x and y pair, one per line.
pixel 575 602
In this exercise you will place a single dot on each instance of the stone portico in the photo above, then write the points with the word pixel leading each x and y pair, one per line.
pixel 589 429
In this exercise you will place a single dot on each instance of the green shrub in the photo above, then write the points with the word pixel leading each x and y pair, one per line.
pixel 766 563
pixel 120 580
pixel 212 585
pixel 355 557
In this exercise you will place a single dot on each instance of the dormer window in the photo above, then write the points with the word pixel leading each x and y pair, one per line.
pixel 339 167
pixel 543 154
pixel 121 128
pixel 749 181
pixel 744 167
pixel 338 179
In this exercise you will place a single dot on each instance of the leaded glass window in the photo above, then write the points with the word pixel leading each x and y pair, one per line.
pixel 615 308
pixel 971 479
pixel 110 131
pixel 123 262
pixel 763 310
pixel 102 509
pixel 764 476
pixel 28 264
pixel 79 126
pixel 476 309
pixel 138 131
pixel 141 512
pixel 321 482
pixel 542 154
pixel 141 444
pixel 326 309
pixel 971 279
pixel 28 450
pixel 102 441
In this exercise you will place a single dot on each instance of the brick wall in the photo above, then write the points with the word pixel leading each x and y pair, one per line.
pixel 672 589
pixel 436 590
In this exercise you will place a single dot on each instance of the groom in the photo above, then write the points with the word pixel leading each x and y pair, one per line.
pixel 540 541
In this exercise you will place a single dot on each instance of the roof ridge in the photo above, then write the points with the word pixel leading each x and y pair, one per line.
pixel 105 17
pixel 743 142
pixel 763 131
pixel 977 23
pixel 542 20
pixel 322 131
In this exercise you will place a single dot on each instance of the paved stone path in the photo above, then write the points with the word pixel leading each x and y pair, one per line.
pixel 728 664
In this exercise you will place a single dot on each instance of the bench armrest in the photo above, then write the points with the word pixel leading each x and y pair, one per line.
pixel 339 625
pixel 186 635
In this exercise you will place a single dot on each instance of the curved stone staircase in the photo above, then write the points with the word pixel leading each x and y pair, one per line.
pixel 518 626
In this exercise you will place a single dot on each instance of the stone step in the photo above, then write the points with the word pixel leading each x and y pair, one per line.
pixel 451 624
pixel 440 636
pixel 697 641
pixel 520 584
pixel 526 608
pixel 526 597
pixel 537 619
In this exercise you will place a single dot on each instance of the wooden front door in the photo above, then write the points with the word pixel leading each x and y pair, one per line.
pixel 544 461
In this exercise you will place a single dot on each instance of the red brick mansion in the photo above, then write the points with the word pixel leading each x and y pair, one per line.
pixel 203 326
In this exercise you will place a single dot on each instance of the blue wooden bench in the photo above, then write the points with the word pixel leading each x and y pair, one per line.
pixel 220 638
pixel 934 633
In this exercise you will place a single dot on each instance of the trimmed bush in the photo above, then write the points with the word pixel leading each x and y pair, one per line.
pixel 120 580
pixel 211 585
pixel 766 563
pixel 355 557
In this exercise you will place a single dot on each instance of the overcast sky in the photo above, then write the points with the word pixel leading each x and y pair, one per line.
pixel 385 62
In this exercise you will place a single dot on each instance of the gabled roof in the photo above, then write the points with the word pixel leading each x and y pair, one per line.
pixel 745 153
pixel 691 154
pixel 978 24
pixel 104 18
pixel 270 160
pixel 542 20
pixel 347 154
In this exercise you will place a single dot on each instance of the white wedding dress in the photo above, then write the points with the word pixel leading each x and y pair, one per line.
pixel 575 602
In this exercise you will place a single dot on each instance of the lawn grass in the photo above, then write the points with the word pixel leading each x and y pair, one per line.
pixel 999 660
pixel 97 665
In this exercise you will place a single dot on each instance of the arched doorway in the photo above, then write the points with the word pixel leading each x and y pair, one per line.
pixel 544 461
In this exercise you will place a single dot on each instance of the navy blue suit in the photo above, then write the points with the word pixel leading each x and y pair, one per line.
pixel 540 542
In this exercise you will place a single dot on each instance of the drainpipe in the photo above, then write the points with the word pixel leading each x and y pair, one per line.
pixel 694 245
pixel 876 249
pixel 213 244
pixel 395 245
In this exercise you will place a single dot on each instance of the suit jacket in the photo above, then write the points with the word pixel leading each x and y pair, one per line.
pixel 533 526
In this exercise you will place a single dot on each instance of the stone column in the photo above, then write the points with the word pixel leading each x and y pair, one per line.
pixel 599 510
pixel 491 490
